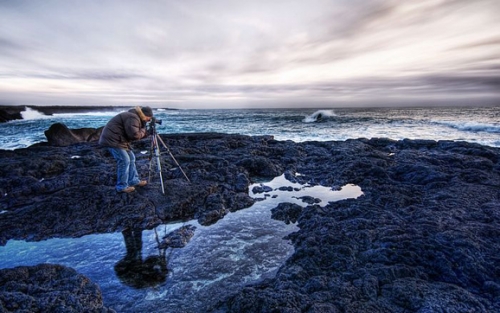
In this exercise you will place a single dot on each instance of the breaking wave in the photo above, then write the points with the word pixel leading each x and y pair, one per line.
pixel 319 115
pixel 31 114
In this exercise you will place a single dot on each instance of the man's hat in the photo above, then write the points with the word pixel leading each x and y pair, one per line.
pixel 147 111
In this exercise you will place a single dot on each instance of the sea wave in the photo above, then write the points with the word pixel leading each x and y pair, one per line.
pixel 471 126
pixel 34 114
pixel 478 125
pixel 318 115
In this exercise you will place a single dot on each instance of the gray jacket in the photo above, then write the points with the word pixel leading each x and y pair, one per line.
pixel 122 129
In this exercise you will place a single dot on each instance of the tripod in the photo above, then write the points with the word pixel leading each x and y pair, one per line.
pixel 154 155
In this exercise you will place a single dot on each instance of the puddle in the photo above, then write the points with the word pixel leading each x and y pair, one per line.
pixel 242 248
pixel 281 190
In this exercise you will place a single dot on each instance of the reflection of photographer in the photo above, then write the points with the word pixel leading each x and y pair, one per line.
pixel 135 272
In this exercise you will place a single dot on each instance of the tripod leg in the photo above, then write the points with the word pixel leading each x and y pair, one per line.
pixel 159 169
pixel 173 158
pixel 150 164
pixel 156 152
pixel 157 155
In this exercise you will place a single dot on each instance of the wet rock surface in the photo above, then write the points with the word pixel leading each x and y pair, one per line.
pixel 424 237
pixel 48 288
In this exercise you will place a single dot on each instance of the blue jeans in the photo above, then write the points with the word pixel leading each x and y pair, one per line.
pixel 125 168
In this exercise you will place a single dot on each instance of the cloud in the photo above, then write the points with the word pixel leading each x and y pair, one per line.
pixel 193 52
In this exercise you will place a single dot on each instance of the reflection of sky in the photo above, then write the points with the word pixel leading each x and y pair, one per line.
pixel 247 53
pixel 285 191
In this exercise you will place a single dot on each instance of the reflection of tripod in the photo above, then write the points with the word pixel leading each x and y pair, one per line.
pixel 154 155
pixel 137 272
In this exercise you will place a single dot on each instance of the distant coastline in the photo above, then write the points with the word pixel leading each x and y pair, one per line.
pixel 9 113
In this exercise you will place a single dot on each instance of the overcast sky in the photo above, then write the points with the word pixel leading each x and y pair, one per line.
pixel 232 53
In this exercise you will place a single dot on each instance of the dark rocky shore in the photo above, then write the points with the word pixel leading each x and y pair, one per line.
pixel 424 237
pixel 10 113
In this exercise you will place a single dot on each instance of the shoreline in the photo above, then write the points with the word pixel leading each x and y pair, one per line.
pixel 9 113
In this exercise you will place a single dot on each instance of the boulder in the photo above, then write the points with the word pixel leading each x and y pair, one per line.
pixel 60 135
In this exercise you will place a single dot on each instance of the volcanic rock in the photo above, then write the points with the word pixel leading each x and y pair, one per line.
pixel 48 288
pixel 424 237
pixel 286 212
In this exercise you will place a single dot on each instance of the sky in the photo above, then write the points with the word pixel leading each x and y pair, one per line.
pixel 250 54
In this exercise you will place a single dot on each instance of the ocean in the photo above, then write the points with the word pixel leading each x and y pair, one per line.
pixel 473 124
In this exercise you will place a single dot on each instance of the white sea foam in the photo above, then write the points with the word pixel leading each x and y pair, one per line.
pixel 103 113
pixel 31 114
pixel 471 126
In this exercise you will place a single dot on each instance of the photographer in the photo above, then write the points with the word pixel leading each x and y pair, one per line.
pixel 117 135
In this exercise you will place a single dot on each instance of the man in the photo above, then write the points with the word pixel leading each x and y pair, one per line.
pixel 117 135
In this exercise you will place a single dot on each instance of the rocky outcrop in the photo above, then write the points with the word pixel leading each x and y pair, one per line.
pixel 10 113
pixel 48 288
pixel 60 135
pixel 424 237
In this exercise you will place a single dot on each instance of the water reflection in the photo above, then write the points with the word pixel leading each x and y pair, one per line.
pixel 134 275
pixel 135 271
pixel 285 188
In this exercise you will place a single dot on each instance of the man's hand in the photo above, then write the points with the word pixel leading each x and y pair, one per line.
pixel 149 130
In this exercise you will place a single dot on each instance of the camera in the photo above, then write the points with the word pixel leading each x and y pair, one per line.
pixel 154 120
pixel 152 125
